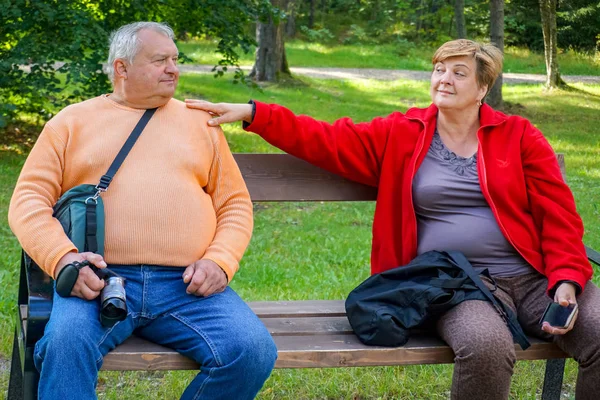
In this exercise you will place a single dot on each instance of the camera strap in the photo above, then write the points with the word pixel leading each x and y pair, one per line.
pixel 91 242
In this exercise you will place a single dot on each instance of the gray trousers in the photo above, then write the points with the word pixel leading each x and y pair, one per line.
pixel 484 348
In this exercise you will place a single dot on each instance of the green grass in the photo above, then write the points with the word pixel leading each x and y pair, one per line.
pixel 389 56
pixel 321 251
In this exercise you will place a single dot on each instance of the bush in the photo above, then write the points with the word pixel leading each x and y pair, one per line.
pixel 404 47
pixel 317 34
pixel 356 34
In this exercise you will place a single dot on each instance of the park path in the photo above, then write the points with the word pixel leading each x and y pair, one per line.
pixel 389 74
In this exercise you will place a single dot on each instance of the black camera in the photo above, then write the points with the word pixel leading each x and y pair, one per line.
pixel 113 304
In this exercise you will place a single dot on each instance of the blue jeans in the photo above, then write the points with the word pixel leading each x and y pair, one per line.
pixel 234 349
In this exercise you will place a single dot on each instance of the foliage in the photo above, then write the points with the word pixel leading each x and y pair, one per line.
pixel 316 35
pixel 356 34
pixel 431 22
pixel 47 46
pixel 578 23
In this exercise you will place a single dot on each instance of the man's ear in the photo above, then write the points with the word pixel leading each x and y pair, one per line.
pixel 120 69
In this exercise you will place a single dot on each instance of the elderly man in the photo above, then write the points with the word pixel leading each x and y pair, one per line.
pixel 178 219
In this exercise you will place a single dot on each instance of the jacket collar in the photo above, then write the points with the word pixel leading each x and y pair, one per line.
pixel 487 115
pixel 490 117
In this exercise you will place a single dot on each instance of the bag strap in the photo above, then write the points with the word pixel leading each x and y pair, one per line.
pixel 91 241
pixel 102 186
pixel 459 259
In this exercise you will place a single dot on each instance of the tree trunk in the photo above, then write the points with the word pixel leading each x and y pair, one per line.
pixel 311 15
pixel 270 61
pixel 548 12
pixel 290 24
pixel 419 24
pixel 459 16
pixel 494 97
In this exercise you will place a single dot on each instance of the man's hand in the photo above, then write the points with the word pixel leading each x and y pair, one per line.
pixel 88 285
pixel 225 112
pixel 205 277
pixel 564 295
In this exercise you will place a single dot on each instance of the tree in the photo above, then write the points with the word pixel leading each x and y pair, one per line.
pixel 459 16
pixel 51 52
pixel 311 18
pixel 548 13
pixel 270 61
pixel 290 24
pixel 494 97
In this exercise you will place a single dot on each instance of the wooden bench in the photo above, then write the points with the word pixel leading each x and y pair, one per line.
pixel 308 334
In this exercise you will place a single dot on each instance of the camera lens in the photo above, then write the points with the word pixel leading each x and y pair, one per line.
pixel 113 306
pixel 113 311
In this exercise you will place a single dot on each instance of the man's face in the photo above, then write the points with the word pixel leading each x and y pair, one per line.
pixel 154 73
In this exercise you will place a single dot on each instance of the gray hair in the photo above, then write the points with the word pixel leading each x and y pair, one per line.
pixel 124 43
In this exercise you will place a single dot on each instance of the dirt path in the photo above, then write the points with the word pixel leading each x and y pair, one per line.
pixel 388 75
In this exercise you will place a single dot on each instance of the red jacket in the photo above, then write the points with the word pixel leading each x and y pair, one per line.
pixel 518 172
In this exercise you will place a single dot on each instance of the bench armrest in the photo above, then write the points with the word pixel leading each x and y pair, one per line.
pixel 36 290
pixel 593 255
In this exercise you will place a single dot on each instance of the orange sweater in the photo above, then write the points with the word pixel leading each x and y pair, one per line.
pixel 178 197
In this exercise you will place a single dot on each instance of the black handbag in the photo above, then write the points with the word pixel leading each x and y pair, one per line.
pixel 387 306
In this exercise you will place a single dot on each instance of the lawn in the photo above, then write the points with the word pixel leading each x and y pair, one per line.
pixel 321 251
pixel 399 56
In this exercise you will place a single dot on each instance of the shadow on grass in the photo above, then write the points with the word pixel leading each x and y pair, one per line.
pixel 573 89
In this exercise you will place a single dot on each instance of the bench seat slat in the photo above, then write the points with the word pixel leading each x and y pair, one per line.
pixel 300 308
pixel 315 352
pixel 308 326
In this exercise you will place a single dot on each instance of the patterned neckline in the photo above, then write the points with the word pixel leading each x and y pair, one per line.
pixel 457 163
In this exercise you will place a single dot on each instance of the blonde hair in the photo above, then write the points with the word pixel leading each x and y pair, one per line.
pixel 488 58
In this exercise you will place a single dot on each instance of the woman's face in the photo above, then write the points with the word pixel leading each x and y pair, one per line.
pixel 454 84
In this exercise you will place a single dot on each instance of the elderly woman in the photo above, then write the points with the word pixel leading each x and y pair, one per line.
pixel 459 175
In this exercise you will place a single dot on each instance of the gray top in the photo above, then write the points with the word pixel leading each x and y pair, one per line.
pixel 452 213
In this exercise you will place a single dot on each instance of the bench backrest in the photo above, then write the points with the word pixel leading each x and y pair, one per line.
pixel 282 177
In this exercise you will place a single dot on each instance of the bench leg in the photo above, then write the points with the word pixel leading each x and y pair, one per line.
pixel 555 369
pixel 15 384
pixel 31 377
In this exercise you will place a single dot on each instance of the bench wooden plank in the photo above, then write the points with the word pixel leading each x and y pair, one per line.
pixel 308 326
pixel 320 351
pixel 312 334
pixel 298 308
pixel 309 334
pixel 281 177
pixel 348 351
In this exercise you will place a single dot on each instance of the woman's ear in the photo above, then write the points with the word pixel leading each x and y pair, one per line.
pixel 483 90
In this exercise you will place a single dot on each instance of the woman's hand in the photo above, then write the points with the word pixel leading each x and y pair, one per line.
pixel 564 295
pixel 224 112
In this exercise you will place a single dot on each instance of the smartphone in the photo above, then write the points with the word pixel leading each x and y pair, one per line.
pixel 559 316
